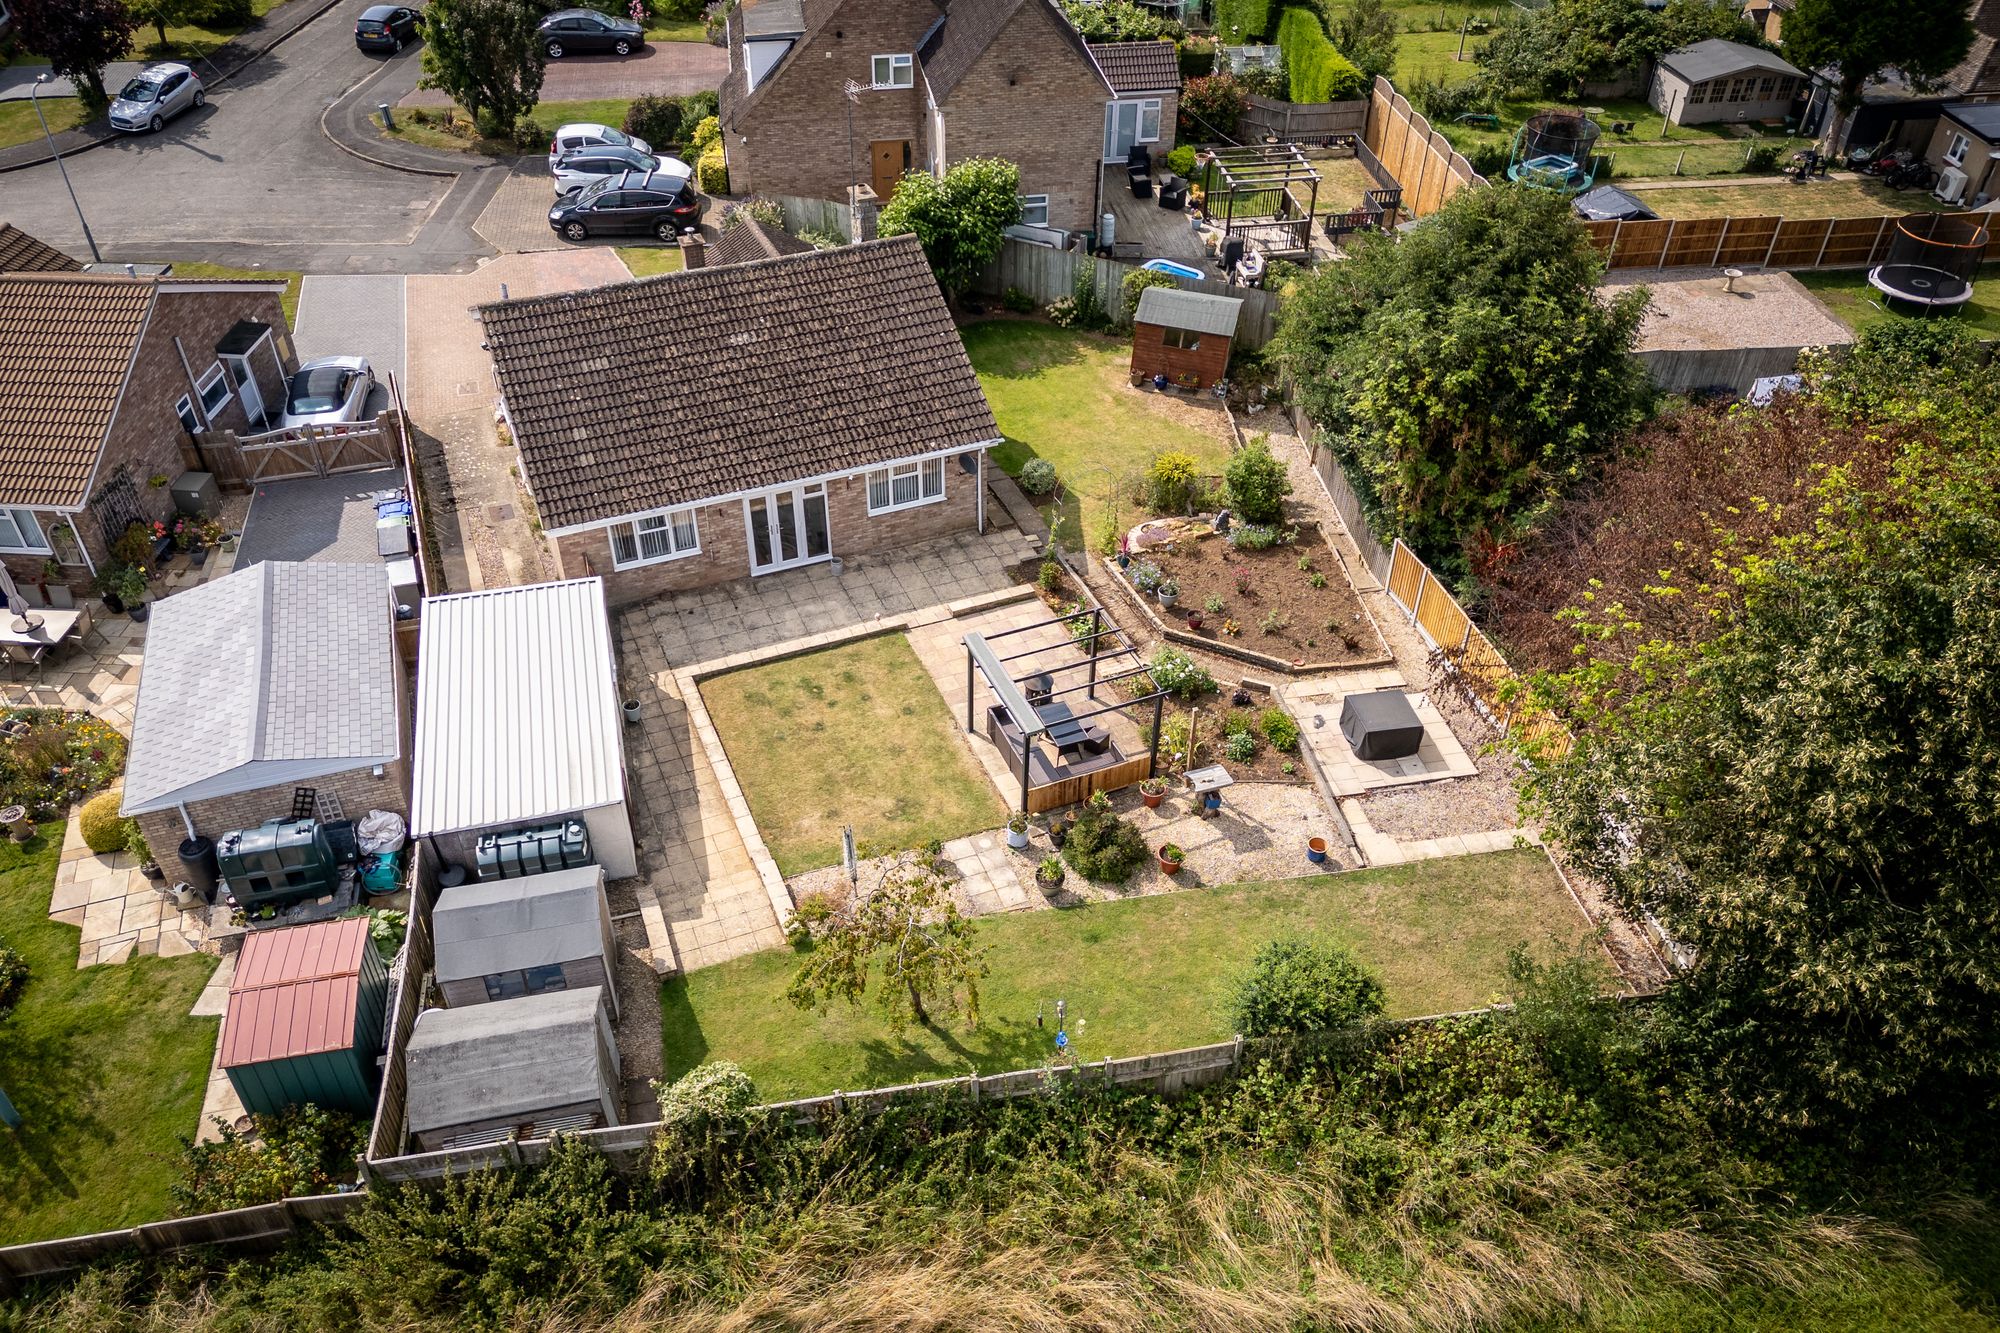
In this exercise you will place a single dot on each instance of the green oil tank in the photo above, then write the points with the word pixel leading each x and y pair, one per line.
pixel 280 861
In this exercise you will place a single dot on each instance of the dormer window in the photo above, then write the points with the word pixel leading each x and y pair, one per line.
pixel 895 71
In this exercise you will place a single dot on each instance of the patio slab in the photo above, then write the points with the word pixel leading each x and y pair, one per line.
pixel 1316 704
pixel 119 913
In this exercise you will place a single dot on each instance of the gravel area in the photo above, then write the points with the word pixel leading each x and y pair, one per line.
pixel 1477 804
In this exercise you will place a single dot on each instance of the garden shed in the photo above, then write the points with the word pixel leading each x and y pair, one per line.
pixel 1183 336
pixel 305 1018
pixel 511 937
pixel 518 724
pixel 526 1067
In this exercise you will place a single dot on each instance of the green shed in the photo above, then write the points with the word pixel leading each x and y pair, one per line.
pixel 305 1018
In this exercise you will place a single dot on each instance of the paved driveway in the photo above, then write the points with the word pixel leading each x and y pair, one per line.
pixel 673 68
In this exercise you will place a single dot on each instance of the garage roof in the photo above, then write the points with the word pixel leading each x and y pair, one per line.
pixel 1198 311
pixel 294 992
pixel 511 1058
pixel 1982 118
pixel 517 708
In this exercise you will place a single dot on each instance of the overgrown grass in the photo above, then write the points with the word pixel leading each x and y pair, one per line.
pixel 290 300
pixel 1067 397
pixel 648 261
pixel 104 1065
pixel 1762 197
pixel 1847 294
pixel 851 735
pixel 1147 974
pixel 18 124
pixel 451 128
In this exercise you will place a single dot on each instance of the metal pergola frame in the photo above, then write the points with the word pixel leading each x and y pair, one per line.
pixel 982 662
pixel 1253 169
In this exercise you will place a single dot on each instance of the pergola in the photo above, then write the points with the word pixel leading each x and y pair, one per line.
pixel 1043 735
pixel 1252 191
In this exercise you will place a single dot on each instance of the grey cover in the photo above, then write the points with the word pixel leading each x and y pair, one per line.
pixel 1381 725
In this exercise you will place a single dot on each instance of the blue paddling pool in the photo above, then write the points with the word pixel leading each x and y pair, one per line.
pixel 1174 267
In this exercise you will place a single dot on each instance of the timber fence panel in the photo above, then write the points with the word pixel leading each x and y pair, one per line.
pixel 1303 120
pixel 1746 241
pixel 1045 276
pixel 247 1230
pixel 824 215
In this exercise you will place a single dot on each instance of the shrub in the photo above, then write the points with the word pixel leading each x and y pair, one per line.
pixel 821 240
pixel 103 831
pixel 1295 985
pixel 1255 537
pixel 765 211
pixel 1174 483
pixel 813 909
pixel 1279 728
pixel 1210 108
pixel 707 134
pixel 1136 282
pixel 1063 313
pixel 13 979
pixel 1442 101
pixel 1316 71
pixel 1038 476
pixel 304 1150
pixel 658 119
pixel 1197 58
pixel 1267 81
pixel 1181 160
pixel 718 1090
pixel 1239 747
pixel 1050 576
pixel 1104 847
pixel 1240 22
pixel 1089 301
pixel 1016 300
pixel 713 169
pixel 1119 21
pixel 1762 158
pixel 223 13
pixel 1180 675
pixel 1257 483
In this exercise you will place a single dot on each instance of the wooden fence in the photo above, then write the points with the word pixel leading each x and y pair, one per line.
pixel 243 462
pixel 1417 157
pixel 816 215
pixel 1300 120
pixel 1049 275
pixel 1345 502
pixel 405 1003
pixel 1752 242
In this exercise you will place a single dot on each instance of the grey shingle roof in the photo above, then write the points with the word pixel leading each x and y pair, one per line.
pixel 516 1057
pixel 750 240
pixel 1176 309
pixel 273 674
pixel 1138 67
pixel 1717 57
pixel 717 381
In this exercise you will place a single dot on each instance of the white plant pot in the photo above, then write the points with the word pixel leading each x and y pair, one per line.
pixel 1017 840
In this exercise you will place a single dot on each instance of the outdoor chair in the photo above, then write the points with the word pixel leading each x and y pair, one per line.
pixel 32 594
pixel 1139 169
pixel 21 654
pixel 61 598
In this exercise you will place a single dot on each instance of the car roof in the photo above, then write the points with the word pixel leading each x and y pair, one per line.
pixel 581 127
pixel 380 11
pixel 572 13
pixel 163 69
pixel 624 152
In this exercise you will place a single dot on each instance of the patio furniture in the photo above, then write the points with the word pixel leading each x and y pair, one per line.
pixel 55 626
pixel 1063 728
pixel 1096 740
pixel 1381 725
pixel 1139 170
pixel 1207 783
pixel 21 654
pixel 1173 193
pixel 1038 688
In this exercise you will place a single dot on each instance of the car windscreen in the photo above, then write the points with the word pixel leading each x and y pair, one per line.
pixel 616 136
pixel 139 90
pixel 597 187
pixel 318 390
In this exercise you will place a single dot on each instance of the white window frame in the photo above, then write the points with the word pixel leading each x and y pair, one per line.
pixel 925 478
pixel 1184 340
pixel 1959 146
pixel 665 526
pixel 1149 109
pixel 209 378
pixel 903 66
pixel 184 410
pixel 16 526
pixel 1034 210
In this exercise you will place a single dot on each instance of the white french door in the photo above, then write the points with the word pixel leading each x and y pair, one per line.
pixel 245 381
pixel 1121 129
pixel 788 528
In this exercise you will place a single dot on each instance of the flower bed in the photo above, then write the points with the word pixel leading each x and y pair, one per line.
pixel 50 759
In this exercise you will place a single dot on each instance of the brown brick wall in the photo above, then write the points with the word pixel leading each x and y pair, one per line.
pixel 358 790
pixel 1210 361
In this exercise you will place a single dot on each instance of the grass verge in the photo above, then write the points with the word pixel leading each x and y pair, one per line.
pixel 1847 294
pixel 290 300
pixel 852 735
pixel 451 128
pixel 1146 974
pixel 18 124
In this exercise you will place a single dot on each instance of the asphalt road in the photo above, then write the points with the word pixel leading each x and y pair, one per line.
pixel 250 179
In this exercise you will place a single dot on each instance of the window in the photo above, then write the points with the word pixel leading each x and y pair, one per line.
pixel 184 409
pixel 1185 339
pixel 505 985
pixel 655 537
pixel 213 386
pixel 1767 87
pixel 539 979
pixel 905 484
pixel 19 532
pixel 1960 146
pixel 1149 121
pixel 894 72
pixel 1035 210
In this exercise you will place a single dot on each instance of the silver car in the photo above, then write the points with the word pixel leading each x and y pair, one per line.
pixel 154 97
pixel 328 391
pixel 587 166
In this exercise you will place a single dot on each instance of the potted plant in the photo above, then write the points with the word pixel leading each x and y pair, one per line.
pixel 147 865
pixel 1316 850
pixel 1168 590
pixel 1152 791
pixel 1171 857
pixel 129 582
pixel 1193 619
pixel 107 585
pixel 1017 832
pixel 1049 874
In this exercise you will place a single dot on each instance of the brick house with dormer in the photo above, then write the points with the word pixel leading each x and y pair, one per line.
pixel 924 84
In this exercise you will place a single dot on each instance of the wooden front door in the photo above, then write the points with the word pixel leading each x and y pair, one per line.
pixel 891 158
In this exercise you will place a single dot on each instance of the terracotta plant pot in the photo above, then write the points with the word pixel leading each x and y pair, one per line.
pixel 1152 798
pixel 1170 867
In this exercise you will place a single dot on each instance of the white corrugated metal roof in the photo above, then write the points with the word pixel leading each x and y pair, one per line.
pixel 517 707
pixel 1176 309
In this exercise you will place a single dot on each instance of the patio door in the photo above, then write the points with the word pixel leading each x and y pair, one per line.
pixel 1121 129
pixel 246 387
pixel 788 528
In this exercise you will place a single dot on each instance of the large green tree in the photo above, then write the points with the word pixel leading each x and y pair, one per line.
pixel 485 54
pixel 79 38
pixel 906 935
pixel 1465 373
pixel 960 220
pixel 1555 50
pixel 1862 38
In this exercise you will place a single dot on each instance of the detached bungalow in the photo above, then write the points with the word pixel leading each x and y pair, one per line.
pixel 725 422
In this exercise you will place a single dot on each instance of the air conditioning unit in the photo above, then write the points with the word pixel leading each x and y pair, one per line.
pixel 1951 186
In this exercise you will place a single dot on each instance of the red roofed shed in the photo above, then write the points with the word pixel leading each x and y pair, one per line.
pixel 305 1018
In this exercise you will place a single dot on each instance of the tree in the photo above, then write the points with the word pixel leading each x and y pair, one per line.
pixel 1119 21
pixel 1920 38
pixel 1466 373
pixel 79 37
pixel 486 56
pixel 1365 31
pixel 1295 985
pixel 908 931
pixel 1211 106
pixel 960 221
pixel 162 14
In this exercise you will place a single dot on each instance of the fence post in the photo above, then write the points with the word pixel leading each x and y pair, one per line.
pixel 1236 1054
pixel 1423 581
pixel 973 1084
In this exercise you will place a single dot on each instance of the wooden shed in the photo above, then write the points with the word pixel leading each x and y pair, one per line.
pixel 305 1017
pixel 1184 336
pixel 508 937
pixel 525 1067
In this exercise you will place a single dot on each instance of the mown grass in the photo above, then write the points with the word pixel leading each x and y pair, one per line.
pixel 1146 974
pixel 1859 306
pixel 648 261
pixel 1758 196
pixel 290 300
pixel 18 124
pixel 104 1064
pixel 677 30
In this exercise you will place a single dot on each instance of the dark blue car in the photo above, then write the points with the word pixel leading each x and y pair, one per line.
pixel 385 27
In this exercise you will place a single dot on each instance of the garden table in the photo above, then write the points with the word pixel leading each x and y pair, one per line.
pixel 55 627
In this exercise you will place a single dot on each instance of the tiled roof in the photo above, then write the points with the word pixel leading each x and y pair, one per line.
pixel 970 26
pixel 717 381
pixel 1138 67
pixel 66 342
pixel 751 240
pixel 273 674
pixel 22 253
pixel 294 992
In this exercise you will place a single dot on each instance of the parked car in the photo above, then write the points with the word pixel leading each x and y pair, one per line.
pixel 327 391
pixel 588 134
pixel 155 96
pixel 582 32
pixel 661 204
pixel 385 27
pixel 587 166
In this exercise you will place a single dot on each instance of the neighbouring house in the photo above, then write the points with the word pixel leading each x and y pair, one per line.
pixel 822 95
pixel 1768 17
pixel 1718 79
pixel 1976 78
pixel 22 253
pixel 103 381
pixel 305 1016
pixel 748 241
pixel 1145 79
pixel 746 419
pixel 1965 149
pixel 518 725
pixel 523 1068
pixel 1184 336
pixel 260 687
pixel 513 937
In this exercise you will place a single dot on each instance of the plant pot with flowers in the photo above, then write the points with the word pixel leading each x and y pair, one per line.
pixel 1017 832
pixel 129 582
pixel 1152 791
pixel 1168 590
pixel 1049 874
pixel 1171 858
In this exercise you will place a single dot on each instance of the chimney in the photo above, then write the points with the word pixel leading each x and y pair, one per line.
pixel 694 251
pixel 862 207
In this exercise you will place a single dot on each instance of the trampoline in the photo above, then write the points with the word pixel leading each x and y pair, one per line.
pixel 1555 150
pixel 1931 261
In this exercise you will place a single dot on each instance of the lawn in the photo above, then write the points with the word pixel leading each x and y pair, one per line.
pixel 290 300
pixel 104 1065
pixel 1652 148
pixel 1761 197
pixel 1145 974
pixel 185 41
pixel 1847 294
pixel 1066 397
pixel 851 735
pixel 450 127
pixel 647 261
pixel 18 124
pixel 677 30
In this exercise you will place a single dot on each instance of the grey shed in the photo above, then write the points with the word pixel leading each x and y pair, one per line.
pixel 1198 311
pixel 510 937
pixel 526 1067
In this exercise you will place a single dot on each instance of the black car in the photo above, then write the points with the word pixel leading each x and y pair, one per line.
pixel 385 27
pixel 659 204
pixel 572 32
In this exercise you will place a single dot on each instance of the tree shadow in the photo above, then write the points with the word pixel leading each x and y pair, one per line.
pixel 52 1086
pixel 991 1048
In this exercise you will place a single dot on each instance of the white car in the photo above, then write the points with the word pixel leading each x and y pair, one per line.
pixel 588 166
pixel 588 134
pixel 155 96
pixel 328 391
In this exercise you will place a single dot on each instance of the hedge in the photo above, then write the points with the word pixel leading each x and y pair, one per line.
pixel 1317 72
pixel 1250 19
